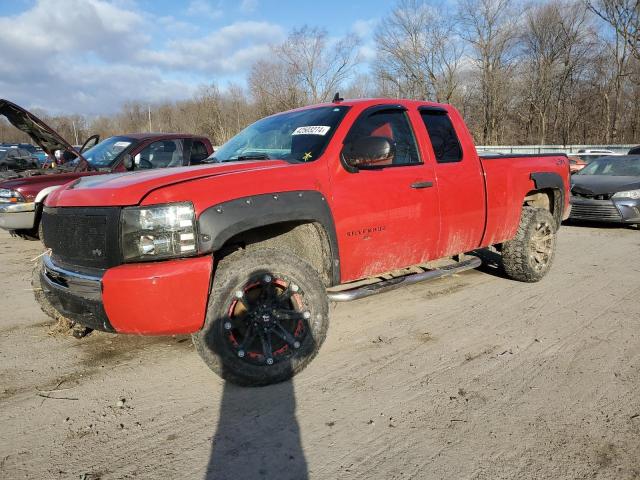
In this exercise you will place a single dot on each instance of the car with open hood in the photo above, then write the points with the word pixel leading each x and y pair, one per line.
pixel 22 195
pixel 607 190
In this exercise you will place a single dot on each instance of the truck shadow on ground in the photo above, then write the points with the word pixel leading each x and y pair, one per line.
pixel 491 262
pixel 258 435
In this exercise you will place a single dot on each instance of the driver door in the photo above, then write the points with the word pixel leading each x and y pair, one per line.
pixel 386 215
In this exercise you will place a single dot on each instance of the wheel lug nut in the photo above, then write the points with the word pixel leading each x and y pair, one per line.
pixel 306 315
pixel 227 325
pixel 239 294
pixel 269 361
pixel 294 287
pixel 296 344
pixel 241 353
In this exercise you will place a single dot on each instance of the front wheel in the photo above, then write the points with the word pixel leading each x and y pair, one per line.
pixel 529 255
pixel 267 317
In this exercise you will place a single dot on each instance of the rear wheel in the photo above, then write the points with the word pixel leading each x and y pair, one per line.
pixel 267 317
pixel 529 255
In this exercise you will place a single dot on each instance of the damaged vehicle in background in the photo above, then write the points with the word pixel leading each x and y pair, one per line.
pixel 607 190
pixel 16 159
pixel 22 196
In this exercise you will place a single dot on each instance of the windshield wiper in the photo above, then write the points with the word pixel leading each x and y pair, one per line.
pixel 252 156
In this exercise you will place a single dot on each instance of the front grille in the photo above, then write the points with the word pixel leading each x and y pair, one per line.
pixel 606 196
pixel 605 211
pixel 83 237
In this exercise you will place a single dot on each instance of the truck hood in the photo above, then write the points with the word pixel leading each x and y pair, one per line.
pixel 41 133
pixel 122 189
pixel 603 184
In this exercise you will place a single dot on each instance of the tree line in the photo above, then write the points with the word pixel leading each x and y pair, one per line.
pixel 550 72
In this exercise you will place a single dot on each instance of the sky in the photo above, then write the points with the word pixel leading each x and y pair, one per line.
pixel 91 56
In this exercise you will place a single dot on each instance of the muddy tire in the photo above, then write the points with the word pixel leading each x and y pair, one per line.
pixel 62 322
pixel 267 317
pixel 529 255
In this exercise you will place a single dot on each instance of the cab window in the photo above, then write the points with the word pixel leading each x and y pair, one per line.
pixel 444 140
pixel 160 154
pixel 393 125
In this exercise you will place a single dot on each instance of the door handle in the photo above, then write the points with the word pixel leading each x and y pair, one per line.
pixel 422 185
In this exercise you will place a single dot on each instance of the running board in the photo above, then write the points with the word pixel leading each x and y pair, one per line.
pixel 393 283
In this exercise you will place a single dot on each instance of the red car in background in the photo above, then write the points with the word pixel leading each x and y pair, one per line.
pixel 576 164
pixel 22 197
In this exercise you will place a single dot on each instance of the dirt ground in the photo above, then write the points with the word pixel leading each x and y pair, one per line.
pixel 472 377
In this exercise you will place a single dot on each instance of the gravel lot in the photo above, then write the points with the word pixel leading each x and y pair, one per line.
pixel 472 377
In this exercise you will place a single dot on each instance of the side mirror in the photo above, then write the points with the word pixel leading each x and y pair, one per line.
pixel 127 161
pixel 368 152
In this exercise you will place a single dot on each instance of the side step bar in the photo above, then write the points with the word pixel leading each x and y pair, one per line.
pixel 393 283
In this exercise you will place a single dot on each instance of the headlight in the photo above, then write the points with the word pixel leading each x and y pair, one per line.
pixel 10 196
pixel 634 194
pixel 158 231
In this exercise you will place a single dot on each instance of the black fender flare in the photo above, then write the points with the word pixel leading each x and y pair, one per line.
pixel 218 223
pixel 551 181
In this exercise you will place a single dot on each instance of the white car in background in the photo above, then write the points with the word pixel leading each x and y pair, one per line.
pixel 587 155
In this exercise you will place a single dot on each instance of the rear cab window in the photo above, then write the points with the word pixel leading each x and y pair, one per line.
pixel 442 134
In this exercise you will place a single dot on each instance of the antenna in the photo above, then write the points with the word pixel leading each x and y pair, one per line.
pixel 337 98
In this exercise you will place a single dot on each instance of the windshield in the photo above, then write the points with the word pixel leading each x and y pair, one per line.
pixel 105 153
pixel 613 166
pixel 296 136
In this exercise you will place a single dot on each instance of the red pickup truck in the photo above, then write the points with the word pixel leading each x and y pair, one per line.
pixel 295 211
pixel 22 195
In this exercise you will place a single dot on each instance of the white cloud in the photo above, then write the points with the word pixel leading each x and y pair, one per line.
pixel 204 8
pixel 248 6
pixel 90 56
pixel 364 28
pixel 227 50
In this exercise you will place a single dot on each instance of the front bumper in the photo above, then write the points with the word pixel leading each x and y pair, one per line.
pixel 17 216
pixel 75 295
pixel 159 298
pixel 619 210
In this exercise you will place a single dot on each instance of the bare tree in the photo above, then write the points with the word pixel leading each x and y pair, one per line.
pixel 488 26
pixel 624 17
pixel 319 65
pixel 275 87
pixel 418 52
pixel 555 41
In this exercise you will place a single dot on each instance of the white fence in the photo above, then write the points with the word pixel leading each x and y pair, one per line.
pixel 568 149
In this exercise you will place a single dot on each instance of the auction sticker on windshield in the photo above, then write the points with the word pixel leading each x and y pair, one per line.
pixel 311 130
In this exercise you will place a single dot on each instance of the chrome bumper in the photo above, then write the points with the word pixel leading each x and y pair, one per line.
pixel 77 296
pixel 17 216
pixel 78 284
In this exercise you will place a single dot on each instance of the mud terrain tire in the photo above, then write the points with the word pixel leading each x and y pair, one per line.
pixel 529 255
pixel 286 280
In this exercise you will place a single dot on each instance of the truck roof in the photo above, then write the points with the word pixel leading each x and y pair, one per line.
pixel 375 101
